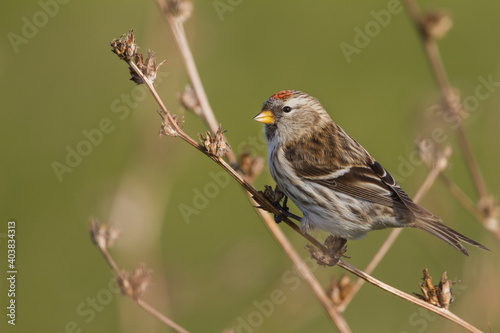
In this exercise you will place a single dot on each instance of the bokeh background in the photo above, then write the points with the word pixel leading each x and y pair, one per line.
pixel 215 268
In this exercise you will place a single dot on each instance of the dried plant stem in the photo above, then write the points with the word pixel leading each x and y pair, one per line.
pixel 461 197
pixel 177 29
pixel 167 321
pixel 377 258
pixel 488 217
pixel 467 203
pixel 452 103
pixel 148 308
pixel 304 271
pixel 440 311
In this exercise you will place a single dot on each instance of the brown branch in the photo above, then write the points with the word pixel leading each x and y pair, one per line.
pixel 451 101
pixel 461 197
pixel 102 238
pixel 440 311
pixel 155 313
pixel 177 29
pixel 303 270
pixel 488 211
pixel 467 203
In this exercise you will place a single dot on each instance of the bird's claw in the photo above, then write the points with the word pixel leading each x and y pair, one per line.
pixel 283 209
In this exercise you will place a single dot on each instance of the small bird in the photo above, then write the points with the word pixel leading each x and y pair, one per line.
pixel 332 179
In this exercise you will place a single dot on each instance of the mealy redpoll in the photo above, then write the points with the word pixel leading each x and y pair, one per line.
pixel 334 181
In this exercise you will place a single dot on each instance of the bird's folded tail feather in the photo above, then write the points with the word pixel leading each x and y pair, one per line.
pixel 447 234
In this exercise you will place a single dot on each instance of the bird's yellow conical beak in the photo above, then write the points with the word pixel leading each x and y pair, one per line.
pixel 265 117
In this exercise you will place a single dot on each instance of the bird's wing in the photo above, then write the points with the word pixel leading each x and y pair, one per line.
pixel 358 176
pixel 388 180
pixel 358 181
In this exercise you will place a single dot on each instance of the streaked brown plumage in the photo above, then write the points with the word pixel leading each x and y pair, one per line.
pixel 332 179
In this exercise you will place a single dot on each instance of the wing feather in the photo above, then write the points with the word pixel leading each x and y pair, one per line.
pixel 350 170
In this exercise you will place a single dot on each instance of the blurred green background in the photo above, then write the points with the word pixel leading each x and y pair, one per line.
pixel 217 268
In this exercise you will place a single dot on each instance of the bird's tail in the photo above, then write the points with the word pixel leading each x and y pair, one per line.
pixel 447 234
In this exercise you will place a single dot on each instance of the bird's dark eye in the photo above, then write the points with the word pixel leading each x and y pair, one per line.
pixel 287 109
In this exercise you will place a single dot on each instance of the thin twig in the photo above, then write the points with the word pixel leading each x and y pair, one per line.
pixel 121 277
pixel 304 271
pixel 440 311
pixel 177 29
pixel 461 197
pixel 467 203
pixel 452 103
pixel 382 251
pixel 155 313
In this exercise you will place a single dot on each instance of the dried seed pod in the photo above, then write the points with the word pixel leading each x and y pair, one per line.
pixel 189 100
pixel 339 289
pixel 335 250
pixel 180 9
pixel 216 145
pixel 101 235
pixel 134 284
pixel 125 46
pixel 148 68
pixel 440 295
pixel 436 24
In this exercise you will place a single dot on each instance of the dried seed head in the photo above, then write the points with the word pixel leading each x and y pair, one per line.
pixel 180 9
pixel 445 295
pixel 147 67
pixel 490 210
pixel 339 289
pixel 456 109
pixel 167 128
pixel 134 284
pixel 250 166
pixel 436 24
pixel 432 156
pixel 336 248
pixel 189 100
pixel 125 47
pixel 101 235
pixel 439 295
pixel 216 145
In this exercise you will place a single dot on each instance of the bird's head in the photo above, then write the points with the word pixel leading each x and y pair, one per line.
pixel 291 114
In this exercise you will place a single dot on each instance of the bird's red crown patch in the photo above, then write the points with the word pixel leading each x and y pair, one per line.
pixel 282 94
